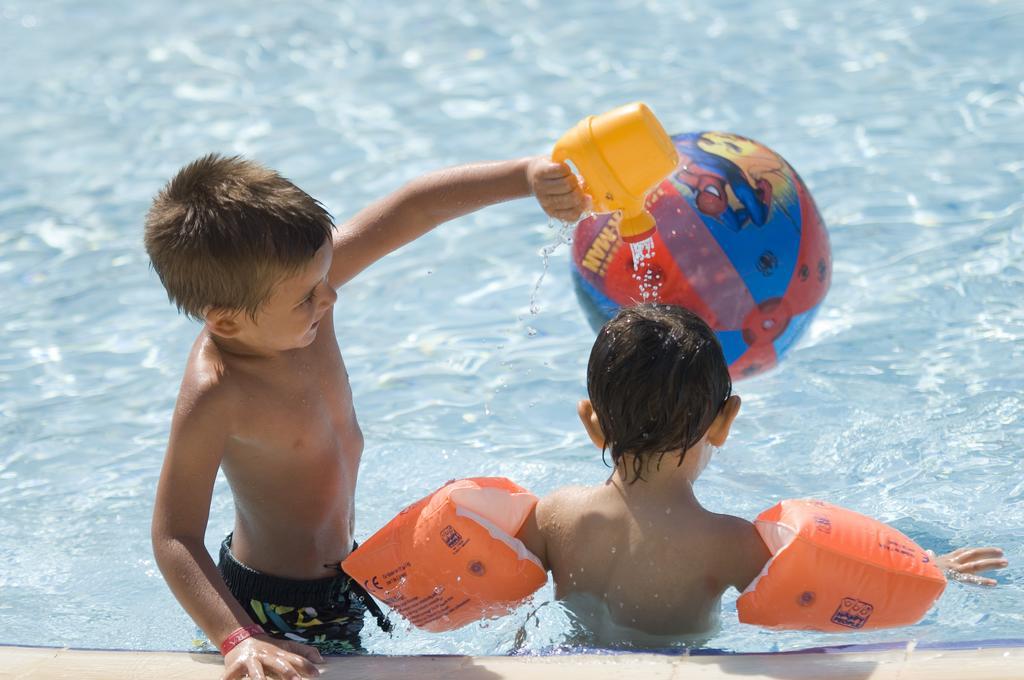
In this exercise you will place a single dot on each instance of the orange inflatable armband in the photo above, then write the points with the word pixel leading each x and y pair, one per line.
pixel 452 558
pixel 835 570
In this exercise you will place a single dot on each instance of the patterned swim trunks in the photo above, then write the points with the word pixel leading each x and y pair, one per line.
pixel 326 613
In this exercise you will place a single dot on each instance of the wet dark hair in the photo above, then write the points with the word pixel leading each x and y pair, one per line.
pixel 657 379
pixel 225 231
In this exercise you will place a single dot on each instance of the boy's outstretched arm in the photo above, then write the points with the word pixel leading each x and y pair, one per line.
pixel 429 200
pixel 964 564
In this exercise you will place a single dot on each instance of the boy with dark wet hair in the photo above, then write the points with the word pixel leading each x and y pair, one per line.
pixel 266 397
pixel 637 559
pixel 673 350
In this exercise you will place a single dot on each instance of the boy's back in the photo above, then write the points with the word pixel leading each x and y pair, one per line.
pixel 642 564
pixel 638 559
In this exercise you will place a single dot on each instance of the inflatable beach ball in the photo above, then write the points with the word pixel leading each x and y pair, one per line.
pixel 738 240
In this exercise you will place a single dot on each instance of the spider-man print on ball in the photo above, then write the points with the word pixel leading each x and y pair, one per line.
pixel 739 241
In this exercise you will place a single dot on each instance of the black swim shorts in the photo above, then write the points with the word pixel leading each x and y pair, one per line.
pixel 326 613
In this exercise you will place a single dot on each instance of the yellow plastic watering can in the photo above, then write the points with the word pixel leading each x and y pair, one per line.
pixel 622 155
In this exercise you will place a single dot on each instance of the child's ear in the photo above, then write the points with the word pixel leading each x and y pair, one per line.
pixel 222 322
pixel 719 430
pixel 589 419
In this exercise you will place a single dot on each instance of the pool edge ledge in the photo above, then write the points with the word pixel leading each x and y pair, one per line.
pixel 995 663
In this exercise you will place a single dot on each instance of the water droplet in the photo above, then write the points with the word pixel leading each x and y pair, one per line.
pixel 613 549
pixel 668 511
pixel 438 590
pixel 564 235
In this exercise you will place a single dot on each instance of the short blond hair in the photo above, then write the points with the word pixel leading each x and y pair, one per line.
pixel 224 231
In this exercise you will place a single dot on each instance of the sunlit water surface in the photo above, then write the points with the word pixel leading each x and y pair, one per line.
pixel 904 400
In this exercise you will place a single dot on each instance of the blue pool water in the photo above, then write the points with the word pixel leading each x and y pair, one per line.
pixel 904 400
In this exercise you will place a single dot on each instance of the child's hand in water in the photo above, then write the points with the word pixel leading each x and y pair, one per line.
pixel 557 189
pixel 963 564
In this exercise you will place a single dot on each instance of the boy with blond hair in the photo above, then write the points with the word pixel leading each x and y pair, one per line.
pixel 265 395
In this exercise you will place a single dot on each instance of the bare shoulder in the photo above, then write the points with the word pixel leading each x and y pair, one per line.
pixel 562 506
pixel 731 524
pixel 207 370
pixel 743 552
pixel 569 513
pixel 546 528
pixel 207 391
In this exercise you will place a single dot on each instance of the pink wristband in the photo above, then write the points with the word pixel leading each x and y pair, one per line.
pixel 237 635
